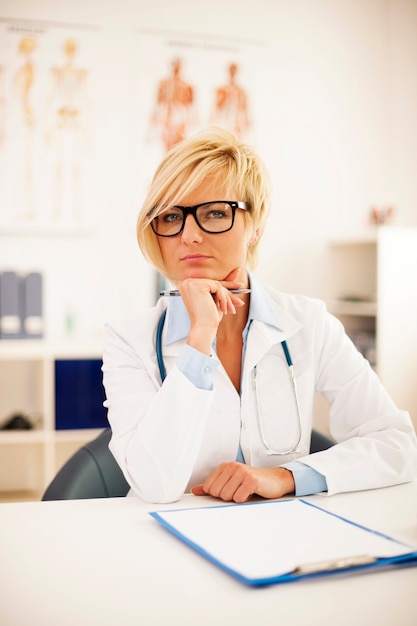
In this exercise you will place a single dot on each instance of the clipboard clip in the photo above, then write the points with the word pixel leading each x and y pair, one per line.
pixel 335 564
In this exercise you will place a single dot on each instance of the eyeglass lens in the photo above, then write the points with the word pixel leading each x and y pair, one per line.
pixel 213 217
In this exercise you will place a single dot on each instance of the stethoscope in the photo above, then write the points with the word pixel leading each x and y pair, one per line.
pixel 268 450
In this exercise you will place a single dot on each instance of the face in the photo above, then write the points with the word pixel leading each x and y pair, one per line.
pixel 197 254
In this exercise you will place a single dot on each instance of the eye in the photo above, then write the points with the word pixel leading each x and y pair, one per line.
pixel 216 211
pixel 215 215
pixel 170 217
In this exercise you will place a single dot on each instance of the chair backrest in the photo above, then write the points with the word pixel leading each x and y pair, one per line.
pixel 320 442
pixel 92 472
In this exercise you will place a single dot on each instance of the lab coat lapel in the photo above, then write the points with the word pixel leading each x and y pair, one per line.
pixel 263 336
pixel 260 339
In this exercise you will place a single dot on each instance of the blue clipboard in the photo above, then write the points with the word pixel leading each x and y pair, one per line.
pixel 281 541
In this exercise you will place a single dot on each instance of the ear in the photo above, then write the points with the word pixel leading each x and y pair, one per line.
pixel 255 237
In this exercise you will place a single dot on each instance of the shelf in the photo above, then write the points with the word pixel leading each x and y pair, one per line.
pixel 366 239
pixel 40 349
pixel 11 437
pixel 81 435
pixel 20 496
pixel 360 309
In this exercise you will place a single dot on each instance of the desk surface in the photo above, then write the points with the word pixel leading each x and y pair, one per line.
pixel 107 562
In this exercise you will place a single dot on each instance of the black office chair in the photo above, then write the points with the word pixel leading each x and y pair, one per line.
pixel 92 471
pixel 320 442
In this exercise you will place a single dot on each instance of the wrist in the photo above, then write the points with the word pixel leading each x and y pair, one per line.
pixel 202 340
pixel 287 480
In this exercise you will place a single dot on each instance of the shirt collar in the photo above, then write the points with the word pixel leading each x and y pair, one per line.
pixel 261 310
pixel 178 321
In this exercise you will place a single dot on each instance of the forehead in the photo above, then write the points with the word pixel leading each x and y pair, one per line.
pixel 208 190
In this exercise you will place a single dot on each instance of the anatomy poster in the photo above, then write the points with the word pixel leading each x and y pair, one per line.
pixel 46 126
pixel 182 83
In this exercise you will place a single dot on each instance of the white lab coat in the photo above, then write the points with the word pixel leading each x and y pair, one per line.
pixel 168 438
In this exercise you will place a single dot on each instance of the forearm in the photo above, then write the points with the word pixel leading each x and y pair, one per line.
pixel 157 436
pixel 369 460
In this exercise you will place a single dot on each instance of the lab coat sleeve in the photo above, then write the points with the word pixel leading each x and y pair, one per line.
pixel 157 429
pixel 307 480
pixel 197 367
pixel 377 444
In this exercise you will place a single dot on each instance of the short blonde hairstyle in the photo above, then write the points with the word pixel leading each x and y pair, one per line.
pixel 217 153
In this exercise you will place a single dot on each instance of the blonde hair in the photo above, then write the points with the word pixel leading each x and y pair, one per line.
pixel 217 153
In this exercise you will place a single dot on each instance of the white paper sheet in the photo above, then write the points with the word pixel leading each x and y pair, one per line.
pixel 270 539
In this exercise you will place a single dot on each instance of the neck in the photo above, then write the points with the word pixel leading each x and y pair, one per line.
pixel 229 342
pixel 234 324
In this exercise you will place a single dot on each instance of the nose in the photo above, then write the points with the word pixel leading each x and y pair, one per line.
pixel 191 233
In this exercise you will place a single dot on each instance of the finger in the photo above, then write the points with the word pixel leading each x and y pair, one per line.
pixel 224 481
pixel 239 488
pixel 243 493
pixel 198 490
pixel 236 300
pixel 224 301
pixel 211 478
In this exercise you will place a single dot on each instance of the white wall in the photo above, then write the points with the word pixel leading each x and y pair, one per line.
pixel 338 131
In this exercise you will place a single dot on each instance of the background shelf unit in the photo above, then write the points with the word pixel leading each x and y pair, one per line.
pixel 373 290
pixel 29 459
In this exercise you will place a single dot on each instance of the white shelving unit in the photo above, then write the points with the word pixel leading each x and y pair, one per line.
pixel 373 290
pixel 29 459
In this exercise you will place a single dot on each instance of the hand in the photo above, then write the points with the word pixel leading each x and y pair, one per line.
pixel 207 301
pixel 238 482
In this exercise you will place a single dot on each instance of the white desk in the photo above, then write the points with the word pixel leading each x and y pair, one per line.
pixel 107 562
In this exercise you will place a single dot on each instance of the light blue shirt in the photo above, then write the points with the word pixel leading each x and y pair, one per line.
pixel 199 369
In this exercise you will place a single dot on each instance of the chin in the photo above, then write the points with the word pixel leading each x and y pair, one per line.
pixel 196 272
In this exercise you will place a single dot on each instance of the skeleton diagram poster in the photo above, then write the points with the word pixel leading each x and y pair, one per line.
pixel 183 83
pixel 46 126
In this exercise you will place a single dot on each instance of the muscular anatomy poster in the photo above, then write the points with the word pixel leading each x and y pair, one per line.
pixel 182 83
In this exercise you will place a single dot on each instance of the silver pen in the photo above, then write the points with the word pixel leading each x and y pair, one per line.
pixel 175 292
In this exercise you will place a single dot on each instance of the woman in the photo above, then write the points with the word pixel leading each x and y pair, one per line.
pixel 200 394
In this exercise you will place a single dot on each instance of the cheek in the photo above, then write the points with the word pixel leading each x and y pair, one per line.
pixel 245 242
pixel 166 248
pixel 237 251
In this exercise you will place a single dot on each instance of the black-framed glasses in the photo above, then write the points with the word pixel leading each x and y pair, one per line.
pixel 212 217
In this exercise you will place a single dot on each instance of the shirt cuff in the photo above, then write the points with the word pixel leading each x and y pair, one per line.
pixel 307 480
pixel 197 367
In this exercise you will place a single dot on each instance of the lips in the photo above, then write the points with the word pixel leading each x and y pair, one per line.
pixel 194 258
